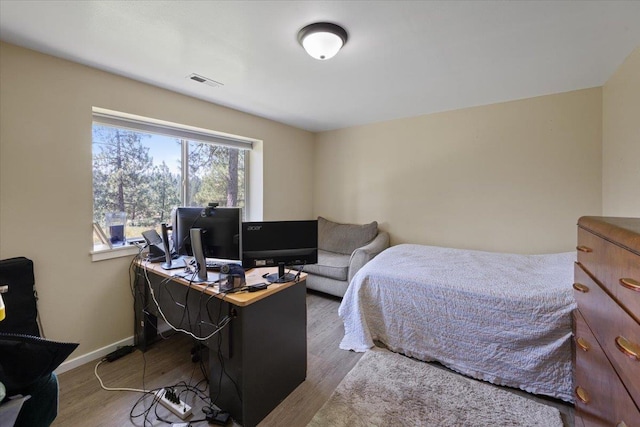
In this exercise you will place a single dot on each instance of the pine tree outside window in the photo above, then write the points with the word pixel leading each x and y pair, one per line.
pixel 146 168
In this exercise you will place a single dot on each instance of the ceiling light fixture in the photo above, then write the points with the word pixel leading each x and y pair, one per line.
pixel 322 40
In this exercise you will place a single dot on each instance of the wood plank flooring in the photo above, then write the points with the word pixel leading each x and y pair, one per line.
pixel 84 403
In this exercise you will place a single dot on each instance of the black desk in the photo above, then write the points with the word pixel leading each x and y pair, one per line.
pixel 263 348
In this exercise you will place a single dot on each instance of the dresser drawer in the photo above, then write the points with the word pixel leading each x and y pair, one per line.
pixel 616 331
pixel 616 268
pixel 596 382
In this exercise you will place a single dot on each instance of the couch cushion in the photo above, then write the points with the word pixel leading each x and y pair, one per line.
pixel 330 264
pixel 344 238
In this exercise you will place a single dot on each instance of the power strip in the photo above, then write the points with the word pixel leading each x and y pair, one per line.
pixel 171 401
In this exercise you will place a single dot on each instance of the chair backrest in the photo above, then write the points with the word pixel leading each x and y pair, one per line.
pixel 344 238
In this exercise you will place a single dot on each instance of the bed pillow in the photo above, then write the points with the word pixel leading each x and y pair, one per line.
pixel 344 238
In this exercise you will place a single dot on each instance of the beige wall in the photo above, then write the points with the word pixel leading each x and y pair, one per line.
pixel 505 177
pixel 621 140
pixel 511 177
pixel 46 182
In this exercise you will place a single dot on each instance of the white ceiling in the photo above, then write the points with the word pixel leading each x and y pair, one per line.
pixel 402 59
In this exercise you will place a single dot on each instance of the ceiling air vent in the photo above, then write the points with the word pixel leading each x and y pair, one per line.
pixel 201 79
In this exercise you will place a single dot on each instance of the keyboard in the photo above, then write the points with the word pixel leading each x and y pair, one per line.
pixel 213 265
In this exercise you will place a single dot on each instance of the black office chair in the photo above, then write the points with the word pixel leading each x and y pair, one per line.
pixel 27 361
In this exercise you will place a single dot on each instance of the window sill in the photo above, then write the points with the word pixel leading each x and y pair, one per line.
pixel 104 252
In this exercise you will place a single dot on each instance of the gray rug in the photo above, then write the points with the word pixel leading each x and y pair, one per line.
pixel 388 389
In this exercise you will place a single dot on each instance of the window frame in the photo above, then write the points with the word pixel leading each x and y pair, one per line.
pixel 143 124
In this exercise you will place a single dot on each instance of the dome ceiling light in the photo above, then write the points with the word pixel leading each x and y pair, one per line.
pixel 322 40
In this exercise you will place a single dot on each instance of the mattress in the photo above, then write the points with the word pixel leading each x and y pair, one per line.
pixel 502 318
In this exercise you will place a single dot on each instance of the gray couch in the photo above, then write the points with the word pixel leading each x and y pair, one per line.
pixel 342 250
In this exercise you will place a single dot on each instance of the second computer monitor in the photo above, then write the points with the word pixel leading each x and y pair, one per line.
pixel 279 243
pixel 221 236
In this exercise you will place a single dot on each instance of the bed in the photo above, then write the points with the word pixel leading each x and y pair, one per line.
pixel 502 318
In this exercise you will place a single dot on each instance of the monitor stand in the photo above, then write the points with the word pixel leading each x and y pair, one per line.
pixel 170 263
pixel 174 264
pixel 198 254
pixel 281 276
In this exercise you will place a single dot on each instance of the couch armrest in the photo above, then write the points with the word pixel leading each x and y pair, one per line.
pixel 364 254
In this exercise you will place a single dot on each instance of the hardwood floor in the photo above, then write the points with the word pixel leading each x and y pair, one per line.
pixel 84 403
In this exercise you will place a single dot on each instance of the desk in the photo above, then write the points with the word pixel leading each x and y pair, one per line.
pixel 262 350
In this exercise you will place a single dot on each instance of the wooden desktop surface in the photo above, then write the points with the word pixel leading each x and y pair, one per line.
pixel 244 298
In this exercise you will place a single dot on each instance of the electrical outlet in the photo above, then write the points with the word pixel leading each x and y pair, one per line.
pixel 173 403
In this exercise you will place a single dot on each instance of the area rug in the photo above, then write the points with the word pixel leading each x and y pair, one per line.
pixel 389 389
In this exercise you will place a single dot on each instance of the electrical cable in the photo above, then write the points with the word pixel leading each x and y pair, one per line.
pixel 145 309
pixel 187 305
pixel 297 277
pixel 198 393
pixel 199 318
pixel 155 399
pixel 177 329
pixel 132 273
pixel 95 371
pixel 219 324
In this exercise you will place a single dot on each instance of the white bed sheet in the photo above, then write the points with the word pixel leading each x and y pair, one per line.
pixel 502 318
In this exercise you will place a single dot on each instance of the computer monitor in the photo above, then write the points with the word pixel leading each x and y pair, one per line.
pixel 279 243
pixel 221 231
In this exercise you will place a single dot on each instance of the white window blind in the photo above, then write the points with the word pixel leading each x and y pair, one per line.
pixel 148 125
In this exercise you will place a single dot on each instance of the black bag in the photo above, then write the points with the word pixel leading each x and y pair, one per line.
pixel 17 284
pixel 24 356
pixel 25 359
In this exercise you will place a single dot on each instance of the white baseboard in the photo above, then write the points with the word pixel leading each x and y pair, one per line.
pixel 101 352
pixel 91 356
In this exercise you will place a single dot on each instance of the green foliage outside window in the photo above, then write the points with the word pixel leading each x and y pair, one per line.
pixel 127 179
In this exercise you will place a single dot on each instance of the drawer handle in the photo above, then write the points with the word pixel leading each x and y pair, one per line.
pixel 627 347
pixel 582 395
pixel 580 287
pixel 583 248
pixel 583 344
pixel 632 284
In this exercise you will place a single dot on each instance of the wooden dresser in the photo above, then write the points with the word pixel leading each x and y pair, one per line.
pixel 607 322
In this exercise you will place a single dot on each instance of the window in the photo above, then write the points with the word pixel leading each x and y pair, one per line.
pixel 145 168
